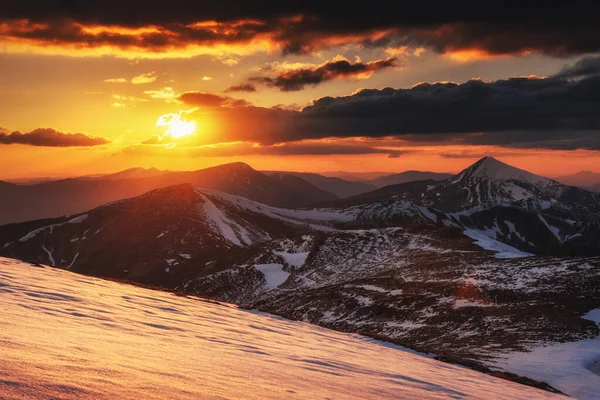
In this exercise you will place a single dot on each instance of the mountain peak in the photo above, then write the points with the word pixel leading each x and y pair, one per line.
pixel 490 168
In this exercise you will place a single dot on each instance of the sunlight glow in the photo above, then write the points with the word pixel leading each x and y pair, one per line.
pixel 176 127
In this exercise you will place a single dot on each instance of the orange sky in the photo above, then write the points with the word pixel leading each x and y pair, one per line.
pixel 119 93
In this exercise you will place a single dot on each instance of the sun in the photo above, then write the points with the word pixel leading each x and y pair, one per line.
pixel 175 126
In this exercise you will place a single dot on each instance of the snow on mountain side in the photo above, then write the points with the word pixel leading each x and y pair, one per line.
pixel 489 167
pixel 106 340
pixel 488 182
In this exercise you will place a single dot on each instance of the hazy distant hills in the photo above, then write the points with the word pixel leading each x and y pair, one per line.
pixel 352 184
pixel 340 187
pixel 584 179
pixel 71 196
pixel 407 176
pixel 132 173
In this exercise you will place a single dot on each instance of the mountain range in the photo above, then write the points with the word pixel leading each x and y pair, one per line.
pixel 20 203
pixel 407 176
pixel 25 200
pixel 478 269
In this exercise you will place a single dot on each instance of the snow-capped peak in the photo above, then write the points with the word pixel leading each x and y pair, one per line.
pixel 490 168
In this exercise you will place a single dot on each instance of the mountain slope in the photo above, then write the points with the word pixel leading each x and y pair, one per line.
pixel 338 186
pixel 70 196
pixel 126 342
pixel 140 238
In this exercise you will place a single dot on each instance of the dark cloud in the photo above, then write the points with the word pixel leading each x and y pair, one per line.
pixel 512 28
pixel 51 138
pixel 210 100
pixel 190 148
pixel 587 66
pixel 244 87
pixel 553 140
pixel 525 112
pixel 298 79
pixel 479 155
pixel 516 104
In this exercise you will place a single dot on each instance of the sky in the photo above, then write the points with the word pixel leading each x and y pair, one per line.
pixel 97 87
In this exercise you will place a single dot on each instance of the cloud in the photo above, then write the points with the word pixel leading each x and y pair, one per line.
pixel 51 138
pixel 201 99
pixel 190 148
pixel 167 93
pixel 515 104
pixel 587 66
pixel 116 104
pixel 144 78
pixel 244 87
pixel 116 80
pixel 207 78
pixel 523 112
pixel 289 80
pixel 236 27
pixel 129 98
pixel 137 80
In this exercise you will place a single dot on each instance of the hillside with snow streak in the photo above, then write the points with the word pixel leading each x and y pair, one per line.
pixel 70 336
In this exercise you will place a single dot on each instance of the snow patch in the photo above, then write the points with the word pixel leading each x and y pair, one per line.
pixel 593 315
pixel 34 232
pixel 50 256
pixel 572 368
pixel 273 273
pixel 73 262
pixel 293 259
pixel 487 243
pixel 460 303
pixel 555 231
pixel 228 228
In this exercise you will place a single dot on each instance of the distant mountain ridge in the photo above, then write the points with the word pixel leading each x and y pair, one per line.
pixel 131 173
pixel 70 196
pixel 340 187
pixel 407 176
pixel 583 179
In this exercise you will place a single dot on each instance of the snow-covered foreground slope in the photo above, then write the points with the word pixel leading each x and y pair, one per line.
pixel 69 336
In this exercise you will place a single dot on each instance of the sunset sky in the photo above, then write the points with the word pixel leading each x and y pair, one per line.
pixel 93 87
